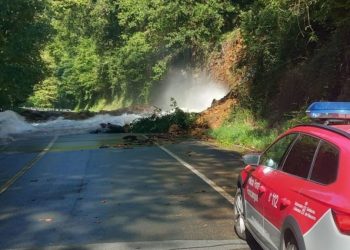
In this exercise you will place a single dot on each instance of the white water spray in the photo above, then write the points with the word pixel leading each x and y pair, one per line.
pixel 12 124
pixel 82 126
pixel 192 91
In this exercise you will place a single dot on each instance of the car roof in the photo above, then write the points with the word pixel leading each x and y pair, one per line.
pixel 343 130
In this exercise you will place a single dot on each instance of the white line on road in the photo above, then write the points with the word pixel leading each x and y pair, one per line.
pixel 218 189
pixel 26 167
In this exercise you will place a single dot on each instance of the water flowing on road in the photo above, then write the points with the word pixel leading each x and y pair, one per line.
pixel 13 125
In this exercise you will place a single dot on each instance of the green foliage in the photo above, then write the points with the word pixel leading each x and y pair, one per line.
pixel 104 53
pixel 117 50
pixel 158 123
pixel 78 73
pixel 132 64
pixel 46 94
pixel 280 34
pixel 104 27
pixel 23 32
pixel 295 54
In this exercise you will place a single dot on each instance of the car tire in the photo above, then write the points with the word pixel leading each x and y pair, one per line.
pixel 291 238
pixel 289 241
pixel 239 215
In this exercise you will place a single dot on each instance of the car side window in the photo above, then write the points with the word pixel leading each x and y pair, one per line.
pixel 273 156
pixel 326 164
pixel 300 157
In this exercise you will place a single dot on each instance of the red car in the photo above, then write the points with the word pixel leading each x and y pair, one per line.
pixel 296 194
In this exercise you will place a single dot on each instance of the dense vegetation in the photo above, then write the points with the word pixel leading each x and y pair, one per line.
pixel 297 52
pixel 93 54
pixel 24 30
pixel 114 52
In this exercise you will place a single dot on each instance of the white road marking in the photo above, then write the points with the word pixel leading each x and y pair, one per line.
pixel 27 166
pixel 211 183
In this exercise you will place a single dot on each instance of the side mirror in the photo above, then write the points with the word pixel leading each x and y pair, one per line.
pixel 251 159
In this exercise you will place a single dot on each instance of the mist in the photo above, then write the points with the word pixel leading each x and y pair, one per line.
pixel 192 91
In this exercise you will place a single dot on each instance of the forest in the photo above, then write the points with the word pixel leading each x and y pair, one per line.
pixel 99 54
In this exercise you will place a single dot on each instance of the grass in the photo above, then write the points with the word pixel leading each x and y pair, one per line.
pixel 243 129
pixel 243 135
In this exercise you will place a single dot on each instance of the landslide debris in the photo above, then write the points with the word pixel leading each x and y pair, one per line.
pixel 214 116
pixel 130 141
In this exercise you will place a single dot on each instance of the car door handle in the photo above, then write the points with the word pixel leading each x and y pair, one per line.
pixel 262 189
pixel 285 203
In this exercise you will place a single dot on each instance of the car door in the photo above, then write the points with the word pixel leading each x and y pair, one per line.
pixel 283 186
pixel 253 203
pixel 319 192
pixel 255 190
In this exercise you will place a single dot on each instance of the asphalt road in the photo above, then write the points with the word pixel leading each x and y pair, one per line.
pixel 67 192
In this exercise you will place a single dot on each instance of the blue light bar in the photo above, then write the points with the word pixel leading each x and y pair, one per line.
pixel 329 110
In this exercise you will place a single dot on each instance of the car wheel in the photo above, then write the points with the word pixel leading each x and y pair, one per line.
pixel 238 213
pixel 289 242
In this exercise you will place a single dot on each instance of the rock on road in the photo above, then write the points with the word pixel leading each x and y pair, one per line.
pixel 68 193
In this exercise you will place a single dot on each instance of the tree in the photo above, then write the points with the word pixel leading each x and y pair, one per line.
pixel 23 33
pixel 108 50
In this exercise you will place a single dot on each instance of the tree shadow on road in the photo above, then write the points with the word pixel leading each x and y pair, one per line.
pixel 118 195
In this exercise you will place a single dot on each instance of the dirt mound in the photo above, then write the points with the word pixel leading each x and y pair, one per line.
pixel 214 116
pixel 224 66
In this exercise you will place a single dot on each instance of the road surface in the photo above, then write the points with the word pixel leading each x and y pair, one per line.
pixel 88 192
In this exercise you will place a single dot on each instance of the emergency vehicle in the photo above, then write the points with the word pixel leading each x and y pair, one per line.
pixel 296 194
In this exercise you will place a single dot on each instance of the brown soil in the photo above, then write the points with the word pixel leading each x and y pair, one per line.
pixel 224 65
pixel 214 116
